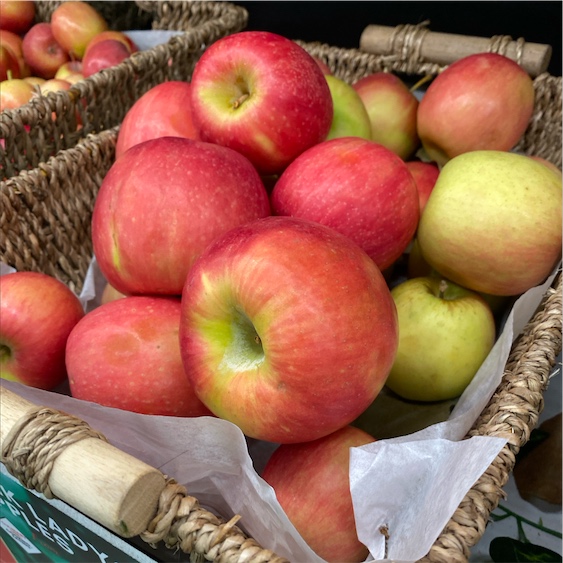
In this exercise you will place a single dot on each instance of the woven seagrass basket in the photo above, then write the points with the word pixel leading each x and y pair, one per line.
pixel 47 124
pixel 45 225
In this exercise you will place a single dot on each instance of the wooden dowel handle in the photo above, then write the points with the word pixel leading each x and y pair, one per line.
pixel 109 486
pixel 445 48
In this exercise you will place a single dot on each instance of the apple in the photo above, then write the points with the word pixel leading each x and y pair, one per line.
pixel 262 95
pixel 69 68
pixel 392 109
pixel 116 35
pixel 547 163
pixel 312 484
pixel 38 313
pixel 323 66
pixel 104 54
pixel 15 93
pixel 16 15
pixel 358 187
pixel 126 354
pixel 75 24
pixel 350 117
pixel 162 202
pixel 43 53
pixel 425 175
pixel 35 80
pixel 164 110
pixel 288 329
pixel 14 43
pixel 480 102
pixel 493 222
pixel 9 64
pixel 445 333
pixel 54 85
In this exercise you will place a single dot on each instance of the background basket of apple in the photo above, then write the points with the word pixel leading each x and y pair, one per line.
pixel 43 47
pixel 238 250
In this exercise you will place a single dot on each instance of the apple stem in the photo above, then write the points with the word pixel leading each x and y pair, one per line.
pixel 239 101
pixel 421 82
pixel 442 289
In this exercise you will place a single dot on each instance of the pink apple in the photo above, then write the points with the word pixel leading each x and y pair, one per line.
pixel 43 53
pixel 392 109
pixel 9 64
pixel 165 110
pixel 312 484
pixel 17 15
pixel 480 102
pixel 126 354
pixel 425 175
pixel 358 187
pixel 162 202
pixel 288 329
pixel 113 34
pixel 75 24
pixel 263 95
pixel 105 54
pixel 38 313
pixel 15 93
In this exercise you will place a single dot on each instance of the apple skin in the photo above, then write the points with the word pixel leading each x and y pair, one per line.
pixel 68 69
pixel 392 109
pixel 14 43
pixel 425 175
pixel 162 202
pixel 288 329
pixel 312 485
pixel 164 110
pixel 350 117
pixel 500 241
pixel 41 50
pixel 14 93
pixel 75 24
pixel 9 64
pixel 445 333
pixel 357 187
pixel 262 95
pixel 547 163
pixel 16 16
pixel 480 102
pixel 125 354
pixel 38 313
pixel 104 54
pixel 54 85
pixel 113 34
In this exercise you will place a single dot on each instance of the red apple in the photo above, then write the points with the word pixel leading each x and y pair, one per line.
pixel 38 313
pixel 43 53
pixel 14 44
pixel 162 202
pixel 105 54
pixel 312 484
pixel 288 329
pixel 165 110
pixel 263 95
pixel 9 64
pixel 425 175
pixel 113 34
pixel 75 24
pixel 126 354
pixel 16 15
pixel 357 187
pixel 15 93
pixel 392 109
pixel 480 102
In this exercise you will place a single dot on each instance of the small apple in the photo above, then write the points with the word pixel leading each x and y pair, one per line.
pixel 357 187
pixel 493 222
pixel 425 175
pixel 162 202
pixel 164 110
pixel 392 109
pixel 125 354
pixel 54 85
pixel 445 333
pixel 43 53
pixel 104 54
pixel 262 95
pixel 116 35
pixel 350 117
pixel 38 313
pixel 75 24
pixel 9 64
pixel 288 329
pixel 480 102
pixel 35 80
pixel 17 15
pixel 312 484
pixel 15 93
pixel 69 68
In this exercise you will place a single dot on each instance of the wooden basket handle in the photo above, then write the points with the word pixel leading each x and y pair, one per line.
pixel 443 49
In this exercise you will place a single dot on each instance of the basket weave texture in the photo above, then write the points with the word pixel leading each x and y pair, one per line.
pixel 46 213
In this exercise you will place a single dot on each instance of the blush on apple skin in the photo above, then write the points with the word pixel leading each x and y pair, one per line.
pixel 105 54
pixel 42 51
pixel 125 354
pixel 312 484
pixel 16 16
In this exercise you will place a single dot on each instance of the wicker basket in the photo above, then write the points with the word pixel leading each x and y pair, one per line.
pixel 45 227
pixel 47 124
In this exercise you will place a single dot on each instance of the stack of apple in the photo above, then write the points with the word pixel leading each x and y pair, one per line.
pixel 50 56
pixel 249 228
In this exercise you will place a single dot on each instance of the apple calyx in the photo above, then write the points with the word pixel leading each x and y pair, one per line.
pixel 442 288
pixel 244 348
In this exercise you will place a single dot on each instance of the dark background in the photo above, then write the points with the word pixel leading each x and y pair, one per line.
pixel 341 23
